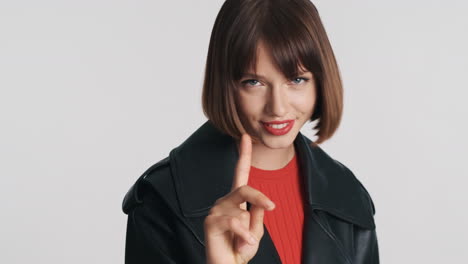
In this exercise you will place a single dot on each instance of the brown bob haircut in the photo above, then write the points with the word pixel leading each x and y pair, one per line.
pixel 295 38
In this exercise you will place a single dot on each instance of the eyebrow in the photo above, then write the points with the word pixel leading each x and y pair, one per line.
pixel 263 77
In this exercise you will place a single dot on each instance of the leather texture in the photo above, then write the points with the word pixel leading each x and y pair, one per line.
pixel 167 205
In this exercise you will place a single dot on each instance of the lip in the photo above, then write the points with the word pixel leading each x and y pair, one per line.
pixel 278 132
pixel 279 122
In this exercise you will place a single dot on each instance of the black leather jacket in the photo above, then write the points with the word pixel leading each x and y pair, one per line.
pixel 167 205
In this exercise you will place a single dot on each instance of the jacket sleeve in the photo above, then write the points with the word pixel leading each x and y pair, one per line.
pixel 150 237
pixel 365 240
pixel 366 246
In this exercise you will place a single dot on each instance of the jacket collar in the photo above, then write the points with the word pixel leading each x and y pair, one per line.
pixel 203 168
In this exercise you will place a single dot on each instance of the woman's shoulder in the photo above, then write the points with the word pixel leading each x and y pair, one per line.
pixel 339 173
pixel 155 181
pixel 363 189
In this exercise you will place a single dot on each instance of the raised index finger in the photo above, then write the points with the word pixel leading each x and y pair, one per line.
pixel 241 175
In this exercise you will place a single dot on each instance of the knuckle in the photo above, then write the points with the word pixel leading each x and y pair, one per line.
pixel 243 189
pixel 262 231
pixel 246 187
pixel 208 221
pixel 214 210
pixel 219 200
pixel 232 222
pixel 238 190
pixel 210 218
pixel 244 215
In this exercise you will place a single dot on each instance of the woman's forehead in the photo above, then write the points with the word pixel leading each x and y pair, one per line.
pixel 264 57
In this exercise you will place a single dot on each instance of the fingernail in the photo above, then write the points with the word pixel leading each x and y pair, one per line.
pixel 270 205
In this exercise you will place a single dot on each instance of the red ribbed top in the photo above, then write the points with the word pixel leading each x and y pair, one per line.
pixel 286 221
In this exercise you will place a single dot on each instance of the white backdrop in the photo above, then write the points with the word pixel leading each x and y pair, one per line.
pixel 94 92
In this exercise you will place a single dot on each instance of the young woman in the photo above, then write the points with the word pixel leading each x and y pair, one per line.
pixel 248 186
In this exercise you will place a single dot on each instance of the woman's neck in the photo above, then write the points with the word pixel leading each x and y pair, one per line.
pixel 266 158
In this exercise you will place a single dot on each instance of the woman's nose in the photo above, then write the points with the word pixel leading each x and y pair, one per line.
pixel 277 102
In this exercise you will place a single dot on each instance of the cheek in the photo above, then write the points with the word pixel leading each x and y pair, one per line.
pixel 250 104
pixel 305 102
pixel 309 99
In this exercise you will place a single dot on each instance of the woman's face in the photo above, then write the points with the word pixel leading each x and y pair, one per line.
pixel 270 97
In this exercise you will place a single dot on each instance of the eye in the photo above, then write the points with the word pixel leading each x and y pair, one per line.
pixel 300 78
pixel 251 81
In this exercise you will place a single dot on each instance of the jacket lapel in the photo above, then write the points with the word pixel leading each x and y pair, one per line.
pixel 203 168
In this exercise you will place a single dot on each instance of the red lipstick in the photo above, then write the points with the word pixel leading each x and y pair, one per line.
pixel 287 125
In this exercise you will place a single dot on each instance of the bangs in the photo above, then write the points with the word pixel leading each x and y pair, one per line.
pixel 288 40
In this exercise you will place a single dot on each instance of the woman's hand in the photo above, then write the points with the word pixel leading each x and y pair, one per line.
pixel 232 234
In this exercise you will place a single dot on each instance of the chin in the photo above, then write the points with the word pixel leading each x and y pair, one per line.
pixel 277 142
